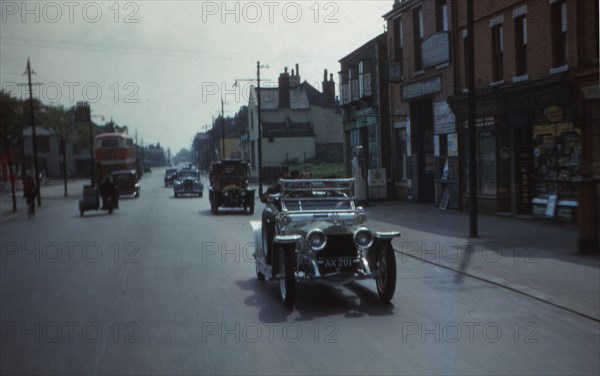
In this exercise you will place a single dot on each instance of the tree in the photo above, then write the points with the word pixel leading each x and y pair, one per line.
pixel 8 128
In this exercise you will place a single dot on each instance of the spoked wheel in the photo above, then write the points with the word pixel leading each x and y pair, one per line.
pixel 386 268
pixel 287 279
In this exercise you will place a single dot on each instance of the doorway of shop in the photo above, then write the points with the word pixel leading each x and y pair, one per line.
pixel 422 120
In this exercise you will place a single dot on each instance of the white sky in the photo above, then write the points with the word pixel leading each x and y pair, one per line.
pixel 161 66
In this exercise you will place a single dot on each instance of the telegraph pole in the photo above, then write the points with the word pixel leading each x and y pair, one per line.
pixel 222 130
pixel 33 138
pixel 471 130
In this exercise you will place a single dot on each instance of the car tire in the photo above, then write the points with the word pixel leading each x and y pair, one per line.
pixel 176 195
pixel 259 275
pixel 214 208
pixel 251 208
pixel 386 268
pixel 287 282
pixel 268 233
pixel 81 213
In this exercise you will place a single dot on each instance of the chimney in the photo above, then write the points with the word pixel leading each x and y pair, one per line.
pixel 284 89
pixel 328 90
pixel 295 77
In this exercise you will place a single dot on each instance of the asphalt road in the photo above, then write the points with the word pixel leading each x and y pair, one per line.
pixel 164 287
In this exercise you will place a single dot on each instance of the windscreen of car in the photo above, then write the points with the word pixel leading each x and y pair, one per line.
pixel 187 174
pixel 303 204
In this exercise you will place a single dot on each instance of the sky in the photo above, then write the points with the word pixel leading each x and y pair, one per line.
pixel 162 67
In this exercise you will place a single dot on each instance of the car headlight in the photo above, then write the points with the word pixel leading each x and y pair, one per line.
pixel 363 237
pixel 316 240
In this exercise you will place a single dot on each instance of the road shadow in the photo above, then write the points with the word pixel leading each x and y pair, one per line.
pixel 314 301
pixel 225 213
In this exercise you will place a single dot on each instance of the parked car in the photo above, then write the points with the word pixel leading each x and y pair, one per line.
pixel 170 175
pixel 312 230
pixel 188 182
pixel 229 186
pixel 127 182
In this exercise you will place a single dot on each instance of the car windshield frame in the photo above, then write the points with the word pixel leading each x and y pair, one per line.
pixel 317 195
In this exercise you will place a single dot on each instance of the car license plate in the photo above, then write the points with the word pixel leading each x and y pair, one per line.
pixel 338 262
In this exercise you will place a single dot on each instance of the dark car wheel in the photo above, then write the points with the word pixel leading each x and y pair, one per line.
pixel 214 208
pixel 259 275
pixel 268 233
pixel 287 278
pixel 386 267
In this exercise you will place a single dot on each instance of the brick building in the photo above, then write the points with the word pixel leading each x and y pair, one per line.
pixel 421 76
pixel 536 82
pixel 365 107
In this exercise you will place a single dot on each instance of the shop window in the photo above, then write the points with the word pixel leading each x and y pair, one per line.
pixel 556 152
pixel 418 36
pixel 486 161
pixel 559 33
pixel 497 53
pixel 521 45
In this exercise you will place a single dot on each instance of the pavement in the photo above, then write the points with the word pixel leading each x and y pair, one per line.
pixel 535 258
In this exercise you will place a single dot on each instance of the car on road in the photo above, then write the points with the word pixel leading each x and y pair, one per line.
pixel 170 175
pixel 188 182
pixel 311 230
pixel 229 186
pixel 127 182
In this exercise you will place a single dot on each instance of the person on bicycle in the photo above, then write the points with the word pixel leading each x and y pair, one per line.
pixel 30 193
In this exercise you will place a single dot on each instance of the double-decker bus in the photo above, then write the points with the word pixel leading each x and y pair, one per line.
pixel 114 151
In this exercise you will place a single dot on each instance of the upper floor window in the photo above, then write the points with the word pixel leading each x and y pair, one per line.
pixel 521 45
pixel 497 52
pixel 466 58
pixel 398 39
pixel 418 36
pixel 559 33
pixel 442 15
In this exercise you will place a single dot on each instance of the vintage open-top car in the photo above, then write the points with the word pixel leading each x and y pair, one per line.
pixel 312 230
pixel 188 182
pixel 229 186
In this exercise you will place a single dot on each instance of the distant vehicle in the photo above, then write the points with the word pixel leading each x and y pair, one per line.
pixel 170 175
pixel 113 151
pixel 188 182
pixel 127 182
pixel 229 186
